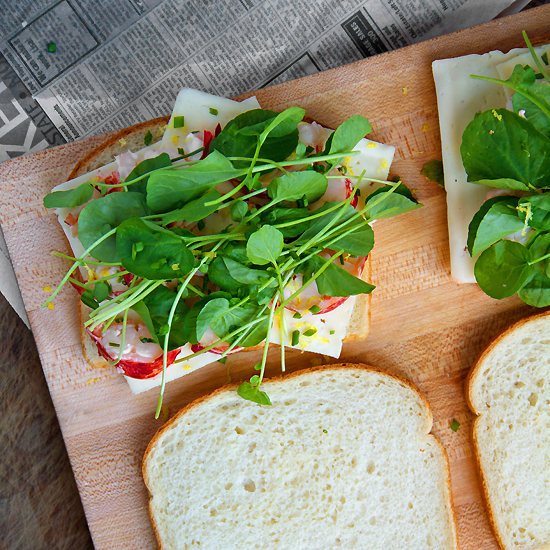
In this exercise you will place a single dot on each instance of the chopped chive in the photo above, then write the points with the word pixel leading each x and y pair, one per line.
pixel 358 192
pixel 213 111
pixel 341 260
pixel 315 309
pixel 295 338
pixel 223 360
pixel 52 47
pixel 297 316
pixel 325 431
pixel 181 151
pixel 310 332
pixel 544 57
pixel 179 122
pixel 148 138
pixel 455 425
pixel 200 225
pixel 332 332
pixel 114 345
pixel 144 340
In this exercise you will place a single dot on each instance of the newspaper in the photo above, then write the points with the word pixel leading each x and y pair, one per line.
pixel 83 67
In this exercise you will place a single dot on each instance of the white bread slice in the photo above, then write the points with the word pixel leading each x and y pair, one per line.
pixel 342 459
pixel 509 388
pixel 131 138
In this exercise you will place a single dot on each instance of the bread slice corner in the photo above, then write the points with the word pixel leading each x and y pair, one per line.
pixel 508 389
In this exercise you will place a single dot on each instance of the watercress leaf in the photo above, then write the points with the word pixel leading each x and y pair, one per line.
pixel 533 113
pixel 357 243
pixel 265 245
pixel 100 216
pixel 152 253
pixel 297 185
pixel 70 198
pixel 281 125
pixel 284 123
pixel 433 170
pixel 252 393
pixel 218 273
pixel 536 292
pixel 87 298
pixel 246 275
pixel 238 211
pixel 501 149
pixel 496 219
pixel 232 142
pixel 535 210
pixel 170 189
pixel 539 248
pixel 190 323
pixel 343 214
pixel 226 321
pixel 144 167
pixel 256 336
pixel 213 309
pixel 143 311
pixel 236 251
pixel 158 304
pixel 195 210
pixel 347 135
pixel 277 215
pixel 335 280
pixel 393 204
pixel 502 269
pixel 101 291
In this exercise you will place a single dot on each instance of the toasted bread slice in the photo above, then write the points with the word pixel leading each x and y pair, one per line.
pixel 509 389
pixel 132 138
pixel 342 459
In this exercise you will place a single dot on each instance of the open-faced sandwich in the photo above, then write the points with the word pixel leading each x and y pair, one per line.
pixel 494 112
pixel 240 227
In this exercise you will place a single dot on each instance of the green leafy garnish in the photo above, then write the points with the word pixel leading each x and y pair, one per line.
pixel 148 138
pixel 212 245
pixel 70 198
pixel 511 150
pixel 433 170
pixel 455 425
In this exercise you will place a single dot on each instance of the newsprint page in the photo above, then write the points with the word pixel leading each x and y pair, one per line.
pixel 70 69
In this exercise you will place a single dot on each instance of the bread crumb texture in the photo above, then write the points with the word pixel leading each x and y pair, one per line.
pixel 511 391
pixel 341 460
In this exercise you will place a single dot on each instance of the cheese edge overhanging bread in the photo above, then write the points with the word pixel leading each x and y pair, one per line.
pixel 305 432
pixel 504 390
pixel 132 138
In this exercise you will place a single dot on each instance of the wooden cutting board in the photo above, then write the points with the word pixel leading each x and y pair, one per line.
pixel 424 326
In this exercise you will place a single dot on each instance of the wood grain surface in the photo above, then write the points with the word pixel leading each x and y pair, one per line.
pixel 424 326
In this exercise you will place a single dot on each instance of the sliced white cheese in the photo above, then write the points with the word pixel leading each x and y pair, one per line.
pixel 202 111
pixel 459 98
pixel 335 321
pixel 176 370
pixel 375 160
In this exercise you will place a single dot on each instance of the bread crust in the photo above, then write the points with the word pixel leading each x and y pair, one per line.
pixel 285 377
pixel 361 315
pixel 113 145
pixel 470 387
